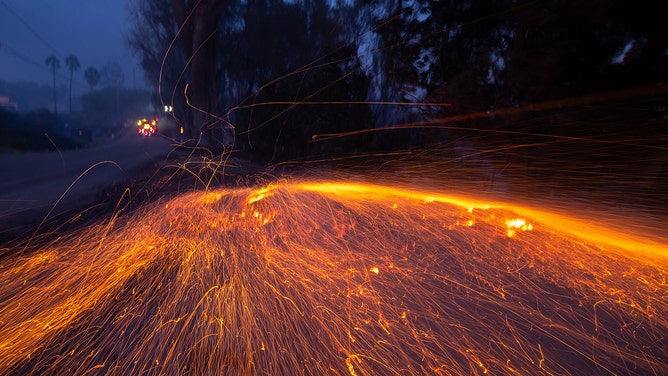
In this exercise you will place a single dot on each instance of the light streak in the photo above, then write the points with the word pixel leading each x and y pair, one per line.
pixel 328 277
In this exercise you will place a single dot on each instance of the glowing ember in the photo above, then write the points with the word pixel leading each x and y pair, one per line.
pixel 517 224
pixel 327 278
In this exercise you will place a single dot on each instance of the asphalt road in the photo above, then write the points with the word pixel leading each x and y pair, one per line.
pixel 38 185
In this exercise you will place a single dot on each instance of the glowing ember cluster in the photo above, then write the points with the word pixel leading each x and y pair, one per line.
pixel 517 224
pixel 323 278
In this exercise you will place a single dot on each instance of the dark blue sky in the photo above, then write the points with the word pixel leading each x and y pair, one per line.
pixel 93 30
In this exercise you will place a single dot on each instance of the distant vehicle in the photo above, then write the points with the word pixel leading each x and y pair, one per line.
pixel 147 128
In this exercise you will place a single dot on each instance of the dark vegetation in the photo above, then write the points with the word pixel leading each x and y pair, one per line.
pixel 39 131
pixel 105 111
pixel 102 114
pixel 36 124
pixel 254 69
pixel 565 94
pixel 30 95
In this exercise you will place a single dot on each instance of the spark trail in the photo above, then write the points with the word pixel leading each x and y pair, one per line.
pixel 318 277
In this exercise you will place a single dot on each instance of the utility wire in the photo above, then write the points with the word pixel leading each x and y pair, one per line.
pixel 43 67
pixel 13 12
pixel 26 59
pixel 22 57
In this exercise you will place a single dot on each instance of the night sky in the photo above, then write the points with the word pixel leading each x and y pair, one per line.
pixel 94 31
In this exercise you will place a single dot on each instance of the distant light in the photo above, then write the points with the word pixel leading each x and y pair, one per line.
pixel 169 109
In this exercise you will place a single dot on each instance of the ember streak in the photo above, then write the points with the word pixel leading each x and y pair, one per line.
pixel 323 277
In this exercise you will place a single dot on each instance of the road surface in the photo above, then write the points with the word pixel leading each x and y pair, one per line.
pixel 36 184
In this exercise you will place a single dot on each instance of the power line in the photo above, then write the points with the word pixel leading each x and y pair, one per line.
pixel 20 56
pixel 29 27
pixel 27 59
pixel 43 67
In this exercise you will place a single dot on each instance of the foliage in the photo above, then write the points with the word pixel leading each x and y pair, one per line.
pixel 30 96
pixel 107 109
pixel 308 81
pixel 152 38
pixel 111 75
pixel 92 76
pixel 491 54
pixel 36 130
pixel 480 57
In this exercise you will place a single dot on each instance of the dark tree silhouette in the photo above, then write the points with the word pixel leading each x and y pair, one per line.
pixel 163 60
pixel 53 63
pixel 477 56
pixel 306 64
pixel 74 65
pixel 191 60
pixel 111 75
pixel 199 21
pixel 92 76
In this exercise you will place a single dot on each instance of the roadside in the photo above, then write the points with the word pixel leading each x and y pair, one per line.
pixel 50 192
pixel 37 186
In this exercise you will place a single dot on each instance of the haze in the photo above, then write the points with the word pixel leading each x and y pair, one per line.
pixel 93 31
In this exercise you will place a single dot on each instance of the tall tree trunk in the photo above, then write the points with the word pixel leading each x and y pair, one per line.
pixel 71 74
pixel 198 36
pixel 55 103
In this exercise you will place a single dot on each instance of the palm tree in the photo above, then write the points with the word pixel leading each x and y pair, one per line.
pixel 72 63
pixel 53 63
pixel 92 77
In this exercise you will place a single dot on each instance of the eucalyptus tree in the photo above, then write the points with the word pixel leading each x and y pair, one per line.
pixel 180 37
pixel 198 21
pixel 153 38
